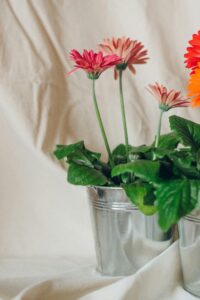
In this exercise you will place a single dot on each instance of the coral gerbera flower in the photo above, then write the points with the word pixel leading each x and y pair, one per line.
pixel 131 51
pixel 93 63
pixel 194 87
pixel 193 53
pixel 167 99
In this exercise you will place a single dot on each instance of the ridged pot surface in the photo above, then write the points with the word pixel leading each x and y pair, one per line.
pixel 125 239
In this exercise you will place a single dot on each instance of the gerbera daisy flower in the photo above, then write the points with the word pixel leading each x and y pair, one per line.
pixel 131 52
pixel 193 52
pixel 167 99
pixel 194 87
pixel 92 63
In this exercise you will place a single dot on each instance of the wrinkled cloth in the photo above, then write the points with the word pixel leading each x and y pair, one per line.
pixel 41 215
pixel 73 279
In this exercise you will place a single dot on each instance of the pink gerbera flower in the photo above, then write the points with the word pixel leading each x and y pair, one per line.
pixel 92 63
pixel 167 99
pixel 131 52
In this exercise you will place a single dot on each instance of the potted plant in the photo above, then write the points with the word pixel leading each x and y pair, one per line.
pixel 189 132
pixel 176 181
pixel 125 191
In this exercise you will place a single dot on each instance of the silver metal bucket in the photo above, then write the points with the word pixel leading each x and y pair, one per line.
pixel 189 231
pixel 125 239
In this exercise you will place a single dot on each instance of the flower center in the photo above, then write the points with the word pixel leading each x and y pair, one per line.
pixel 164 107
pixel 121 66
pixel 93 76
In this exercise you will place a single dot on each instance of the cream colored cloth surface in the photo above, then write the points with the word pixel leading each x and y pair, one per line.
pixel 75 279
pixel 40 214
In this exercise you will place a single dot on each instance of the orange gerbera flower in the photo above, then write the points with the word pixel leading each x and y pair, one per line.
pixel 194 87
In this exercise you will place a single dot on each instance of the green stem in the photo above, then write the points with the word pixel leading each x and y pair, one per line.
pixel 158 132
pixel 123 111
pixel 101 123
pixel 159 129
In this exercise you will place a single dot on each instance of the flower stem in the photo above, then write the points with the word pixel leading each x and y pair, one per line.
pixel 123 111
pixel 158 132
pixel 101 123
pixel 159 129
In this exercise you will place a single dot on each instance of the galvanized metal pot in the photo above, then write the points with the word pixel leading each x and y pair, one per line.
pixel 189 231
pixel 125 239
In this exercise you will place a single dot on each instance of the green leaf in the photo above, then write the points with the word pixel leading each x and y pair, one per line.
pixel 79 158
pixel 161 152
pixel 93 155
pixel 82 175
pixel 140 149
pixel 119 150
pixel 198 159
pixel 125 177
pixel 119 154
pixel 184 157
pixel 63 151
pixel 168 141
pixel 142 195
pixel 184 164
pixel 190 173
pixel 140 152
pixel 188 131
pixel 175 199
pixel 144 169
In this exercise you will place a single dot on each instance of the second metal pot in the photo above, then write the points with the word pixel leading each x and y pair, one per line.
pixel 189 231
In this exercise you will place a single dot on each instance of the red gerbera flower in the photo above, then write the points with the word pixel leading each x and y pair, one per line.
pixel 131 51
pixel 167 99
pixel 193 53
pixel 92 63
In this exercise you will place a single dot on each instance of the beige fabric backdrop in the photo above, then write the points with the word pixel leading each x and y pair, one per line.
pixel 40 214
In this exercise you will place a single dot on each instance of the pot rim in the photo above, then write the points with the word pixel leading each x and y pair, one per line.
pixel 109 201
pixel 194 216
